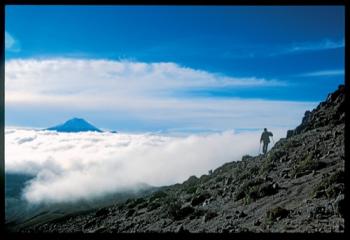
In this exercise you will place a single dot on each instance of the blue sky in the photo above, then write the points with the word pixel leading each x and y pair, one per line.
pixel 275 55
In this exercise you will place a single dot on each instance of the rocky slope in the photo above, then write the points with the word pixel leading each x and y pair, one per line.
pixel 297 187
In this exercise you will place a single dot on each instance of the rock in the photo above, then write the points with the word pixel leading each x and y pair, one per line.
pixel 192 180
pixel 90 224
pixel 181 229
pixel 283 159
pixel 206 202
pixel 267 189
pixel 228 180
pixel 277 212
pixel 246 157
pixel 158 195
pixel 285 175
pixel 178 212
pixel 306 117
pixel 200 199
pixel 339 205
pixel 102 212
pixel 209 215
pixel 290 133
pixel 242 214
pixel 267 178
pixel 275 186
pixel 100 230
pixel 257 222
pixel 130 212
pixel 320 212
pixel 153 205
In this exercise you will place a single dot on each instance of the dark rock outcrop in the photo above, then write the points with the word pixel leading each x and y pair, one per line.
pixel 328 113
pixel 297 187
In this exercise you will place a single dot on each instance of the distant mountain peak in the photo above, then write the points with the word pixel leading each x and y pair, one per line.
pixel 75 125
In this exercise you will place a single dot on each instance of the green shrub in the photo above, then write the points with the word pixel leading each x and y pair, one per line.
pixel 131 203
pixel 245 188
pixel 219 179
pixel 337 177
pixel 260 191
pixel 334 190
pixel 275 213
pixel 329 187
pixel 197 213
pixel 158 195
pixel 204 178
pixel 175 210
pixel 254 170
pixel 200 198
pixel 266 167
pixel 191 190
pixel 275 155
pixel 244 176
pixel 269 162
pixel 306 166
pixel 153 205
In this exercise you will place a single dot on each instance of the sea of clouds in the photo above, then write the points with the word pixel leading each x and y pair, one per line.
pixel 76 166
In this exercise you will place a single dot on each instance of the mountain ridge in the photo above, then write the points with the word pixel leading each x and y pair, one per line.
pixel 298 186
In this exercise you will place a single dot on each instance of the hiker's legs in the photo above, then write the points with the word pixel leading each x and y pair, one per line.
pixel 265 148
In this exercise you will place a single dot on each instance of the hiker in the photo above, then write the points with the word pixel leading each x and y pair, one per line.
pixel 265 138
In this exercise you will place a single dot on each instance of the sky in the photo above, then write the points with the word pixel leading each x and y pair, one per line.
pixel 170 68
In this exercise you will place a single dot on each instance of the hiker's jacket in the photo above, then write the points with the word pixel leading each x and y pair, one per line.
pixel 265 136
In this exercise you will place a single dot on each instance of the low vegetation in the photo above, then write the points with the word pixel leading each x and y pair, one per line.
pixel 306 166
pixel 331 186
pixel 276 213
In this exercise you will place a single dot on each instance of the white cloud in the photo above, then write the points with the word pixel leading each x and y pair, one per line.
pixel 257 51
pixel 11 44
pixel 325 44
pixel 324 73
pixel 73 166
pixel 144 91
pixel 54 77
pixel 322 45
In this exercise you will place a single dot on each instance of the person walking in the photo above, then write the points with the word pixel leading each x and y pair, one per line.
pixel 265 138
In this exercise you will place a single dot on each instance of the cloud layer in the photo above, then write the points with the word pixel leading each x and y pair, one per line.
pixel 64 77
pixel 73 166
pixel 146 92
